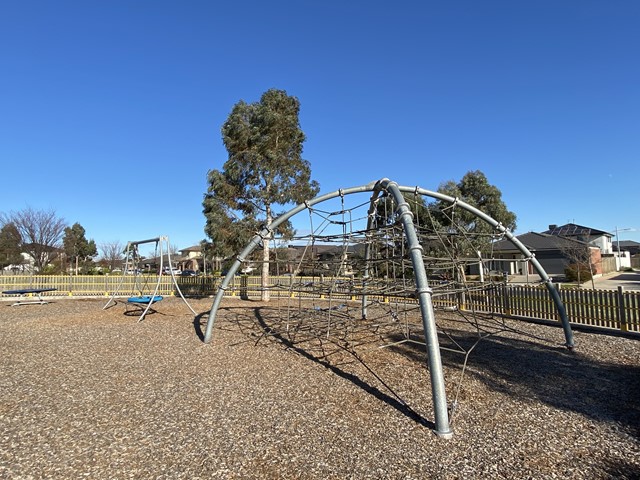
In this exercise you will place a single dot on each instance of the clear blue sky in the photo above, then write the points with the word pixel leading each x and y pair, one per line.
pixel 110 111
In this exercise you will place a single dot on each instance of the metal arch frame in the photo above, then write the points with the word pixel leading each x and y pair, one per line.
pixel 423 290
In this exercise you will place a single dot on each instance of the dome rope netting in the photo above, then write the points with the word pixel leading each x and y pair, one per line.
pixel 381 266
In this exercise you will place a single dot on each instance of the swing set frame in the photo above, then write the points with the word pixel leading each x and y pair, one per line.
pixel 145 302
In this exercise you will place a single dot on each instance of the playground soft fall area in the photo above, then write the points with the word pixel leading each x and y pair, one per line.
pixel 95 393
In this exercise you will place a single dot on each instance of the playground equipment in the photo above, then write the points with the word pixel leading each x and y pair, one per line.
pixel 139 301
pixel 24 300
pixel 365 263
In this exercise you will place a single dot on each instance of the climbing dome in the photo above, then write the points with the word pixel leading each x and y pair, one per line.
pixel 379 264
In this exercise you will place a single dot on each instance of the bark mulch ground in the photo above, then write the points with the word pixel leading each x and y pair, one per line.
pixel 92 393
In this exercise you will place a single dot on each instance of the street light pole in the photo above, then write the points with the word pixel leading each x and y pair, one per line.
pixel 619 256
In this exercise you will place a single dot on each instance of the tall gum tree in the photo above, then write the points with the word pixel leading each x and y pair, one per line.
pixel 264 169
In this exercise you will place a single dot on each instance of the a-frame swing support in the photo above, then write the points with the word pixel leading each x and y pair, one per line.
pixel 162 248
pixel 423 291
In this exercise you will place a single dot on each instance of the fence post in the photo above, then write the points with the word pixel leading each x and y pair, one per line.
pixel 244 287
pixel 621 310
pixel 505 299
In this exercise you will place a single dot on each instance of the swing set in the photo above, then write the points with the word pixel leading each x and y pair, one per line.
pixel 139 301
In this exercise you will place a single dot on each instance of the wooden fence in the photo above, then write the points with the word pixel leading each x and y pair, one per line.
pixel 607 309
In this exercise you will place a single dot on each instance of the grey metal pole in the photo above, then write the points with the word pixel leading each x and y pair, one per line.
pixel 426 309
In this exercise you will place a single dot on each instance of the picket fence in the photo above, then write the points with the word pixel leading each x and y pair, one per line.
pixel 605 309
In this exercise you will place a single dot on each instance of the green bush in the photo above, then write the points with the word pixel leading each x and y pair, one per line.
pixel 571 273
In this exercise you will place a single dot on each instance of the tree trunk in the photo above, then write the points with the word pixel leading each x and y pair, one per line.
pixel 265 262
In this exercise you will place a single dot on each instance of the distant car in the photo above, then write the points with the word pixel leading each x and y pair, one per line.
pixel 167 271
pixel 189 273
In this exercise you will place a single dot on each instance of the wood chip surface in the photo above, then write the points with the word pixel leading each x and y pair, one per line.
pixel 92 393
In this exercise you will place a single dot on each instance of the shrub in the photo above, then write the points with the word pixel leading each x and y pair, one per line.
pixel 571 273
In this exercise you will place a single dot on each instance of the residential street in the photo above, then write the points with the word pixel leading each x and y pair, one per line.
pixel 630 281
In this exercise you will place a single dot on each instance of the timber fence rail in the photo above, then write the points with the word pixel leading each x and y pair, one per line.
pixel 605 309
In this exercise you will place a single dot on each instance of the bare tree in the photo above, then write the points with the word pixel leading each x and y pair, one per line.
pixel 41 232
pixel 112 253
pixel 580 257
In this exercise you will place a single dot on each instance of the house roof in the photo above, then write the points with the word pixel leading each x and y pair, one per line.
pixel 628 243
pixel 536 242
pixel 574 230
pixel 316 251
pixel 195 248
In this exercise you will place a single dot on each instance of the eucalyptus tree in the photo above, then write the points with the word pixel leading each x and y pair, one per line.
pixel 458 225
pixel 475 190
pixel 76 245
pixel 264 169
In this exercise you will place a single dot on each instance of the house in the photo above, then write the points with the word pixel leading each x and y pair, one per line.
pixel 553 252
pixel 186 259
pixel 611 260
pixel 627 246
pixel 598 238
pixel 191 258
pixel 46 254
pixel 319 259
pixel 26 266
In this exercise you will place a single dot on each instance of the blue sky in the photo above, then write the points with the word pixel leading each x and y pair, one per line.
pixel 110 111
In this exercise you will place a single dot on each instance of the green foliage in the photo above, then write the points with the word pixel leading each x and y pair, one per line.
pixel 265 168
pixel 475 190
pixel 76 246
pixel 10 246
pixel 577 272
pixel 91 270
pixel 229 233
pixel 444 229
pixel 51 269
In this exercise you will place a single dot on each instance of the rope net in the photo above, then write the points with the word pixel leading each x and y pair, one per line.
pixel 345 281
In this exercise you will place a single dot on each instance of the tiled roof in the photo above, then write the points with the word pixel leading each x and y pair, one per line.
pixel 195 248
pixel 537 242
